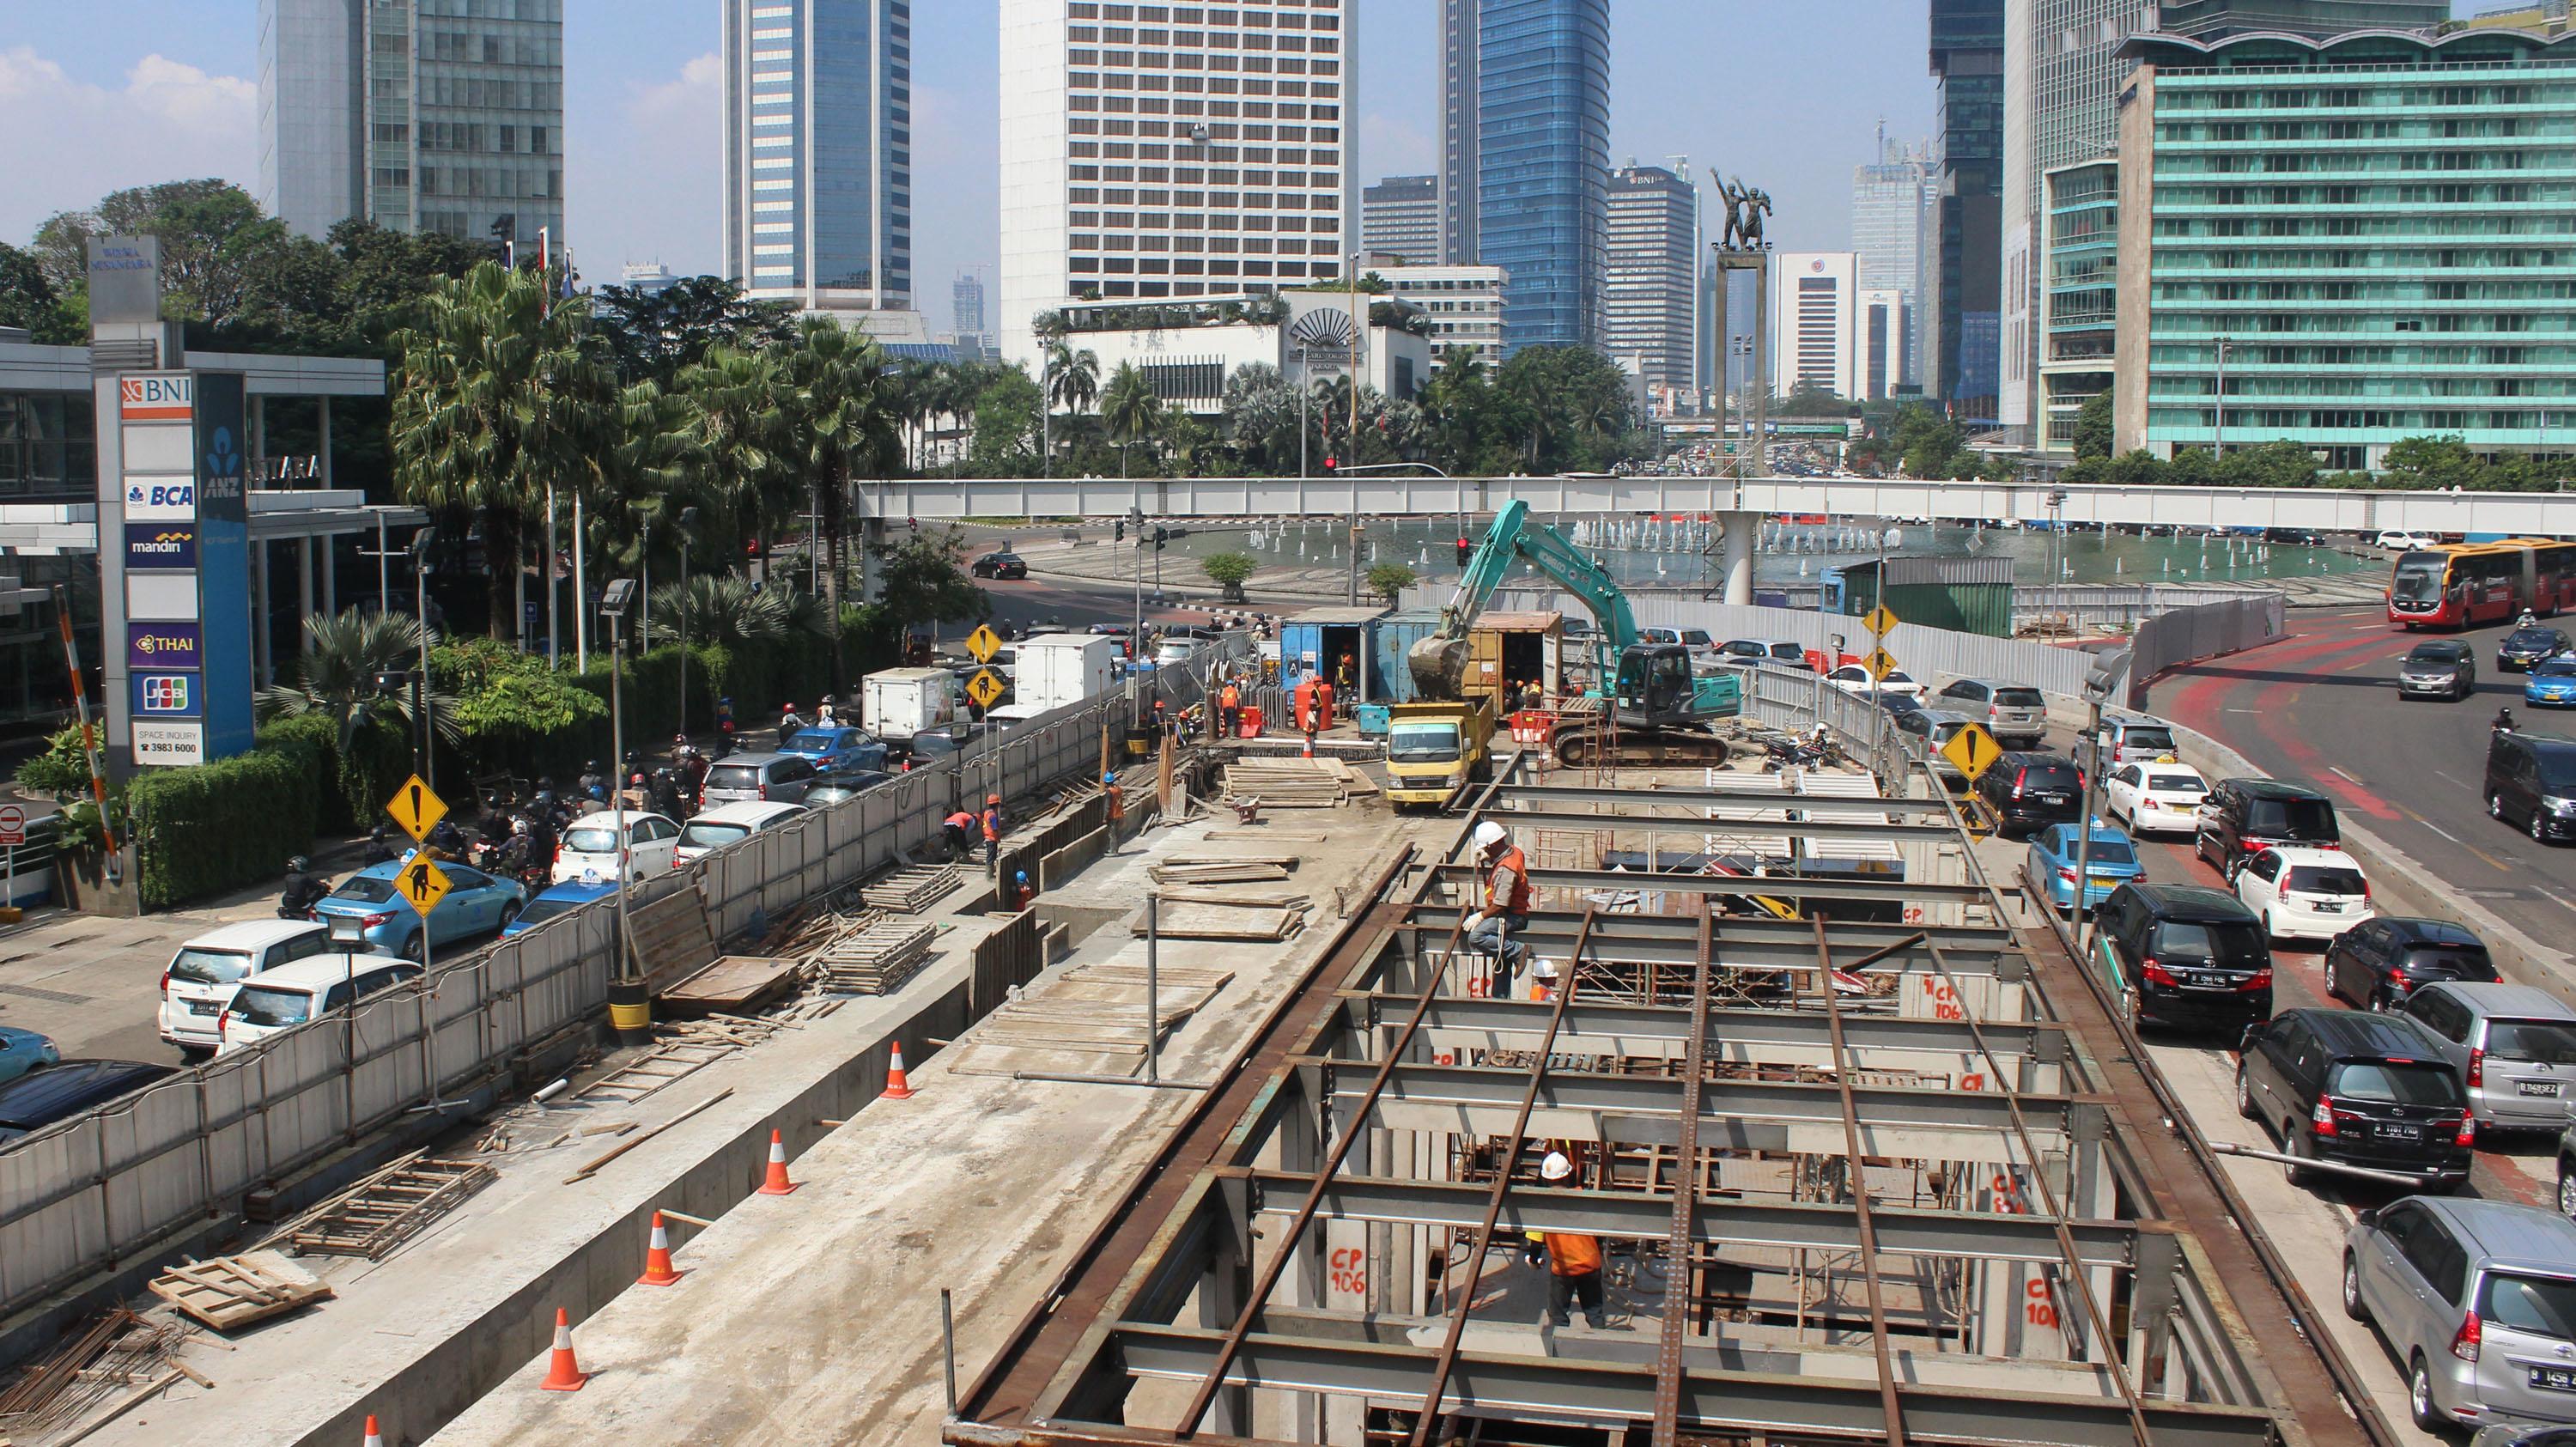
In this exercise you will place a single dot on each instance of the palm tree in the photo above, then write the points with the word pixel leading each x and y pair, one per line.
pixel 840 423
pixel 336 674
pixel 1130 408
pixel 724 609
pixel 734 449
pixel 498 397
pixel 1077 381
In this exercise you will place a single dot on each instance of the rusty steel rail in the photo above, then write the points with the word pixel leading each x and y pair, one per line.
pixel 1677 1246
pixel 1484 1237
pixel 1857 1164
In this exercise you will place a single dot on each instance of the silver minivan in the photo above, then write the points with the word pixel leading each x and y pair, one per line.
pixel 2477 1299
pixel 2015 713
pixel 2131 739
pixel 2514 1046
pixel 758 779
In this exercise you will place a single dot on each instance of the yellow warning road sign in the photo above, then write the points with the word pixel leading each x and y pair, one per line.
pixel 421 883
pixel 416 807
pixel 985 687
pixel 1973 750
pixel 983 643
pixel 1880 664
pixel 1880 621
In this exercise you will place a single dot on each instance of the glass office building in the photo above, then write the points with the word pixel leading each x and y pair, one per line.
pixel 2369 238
pixel 1541 129
pixel 818 152
pixel 2079 319
pixel 1961 317
pixel 418 115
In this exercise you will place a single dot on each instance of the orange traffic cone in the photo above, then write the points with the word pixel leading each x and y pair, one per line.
pixel 374 1437
pixel 563 1374
pixel 897 1086
pixel 657 1258
pixel 777 1184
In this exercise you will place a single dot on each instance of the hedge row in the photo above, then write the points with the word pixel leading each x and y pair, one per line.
pixel 228 824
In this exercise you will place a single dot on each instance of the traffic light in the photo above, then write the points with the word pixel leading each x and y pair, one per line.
pixel 1464 552
pixel 1330 466
pixel 1160 533
pixel 1121 535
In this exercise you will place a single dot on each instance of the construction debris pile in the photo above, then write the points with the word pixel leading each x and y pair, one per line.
pixel 911 889
pixel 1222 868
pixel 1099 1009
pixel 226 1292
pixel 387 1208
pixel 122 1356
pixel 1295 783
pixel 871 957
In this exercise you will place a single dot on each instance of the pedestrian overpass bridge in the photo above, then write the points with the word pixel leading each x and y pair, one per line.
pixel 1741 503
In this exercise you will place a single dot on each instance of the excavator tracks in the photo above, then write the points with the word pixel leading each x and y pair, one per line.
pixel 1583 745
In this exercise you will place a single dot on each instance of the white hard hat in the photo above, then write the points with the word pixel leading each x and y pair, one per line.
pixel 1556 1167
pixel 1543 969
pixel 1488 834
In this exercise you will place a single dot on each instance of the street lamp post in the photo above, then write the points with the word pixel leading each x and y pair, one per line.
pixel 688 519
pixel 630 1006
pixel 421 761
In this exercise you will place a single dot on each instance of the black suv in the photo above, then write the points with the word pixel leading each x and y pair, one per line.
pixel 2241 817
pixel 2379 962
pixel 2531 778
pixel 2030 791
pixel 2186 954
pixel 2366 1090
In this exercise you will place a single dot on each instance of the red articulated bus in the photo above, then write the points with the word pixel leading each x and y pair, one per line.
pixel 2457 584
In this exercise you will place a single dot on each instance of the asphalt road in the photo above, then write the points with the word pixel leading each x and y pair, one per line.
pixel 2322 709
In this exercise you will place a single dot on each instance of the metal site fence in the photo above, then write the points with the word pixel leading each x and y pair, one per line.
pixel 99 1191
pixel 2188 635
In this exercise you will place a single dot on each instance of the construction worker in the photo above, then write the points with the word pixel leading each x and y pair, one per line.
pixel 1229 709
pixel 1117 793
pixel 1573 1260
pixel 1505 905
pixel 992 829
pixel 1542 980
pixel 1023 893
pixel 956 829
pixel 1346 674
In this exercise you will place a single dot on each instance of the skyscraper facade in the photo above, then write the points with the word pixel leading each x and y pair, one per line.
pixel 1537 75
pixel 966 303
pixel 413 114
pixel 1166 151
pixel 817 155
pixel 1960 315
pixel 1400 216
pixel 1459 155
pixel 2063 66
pixel 1816 322
pixel 1650 295
pixel 1894 224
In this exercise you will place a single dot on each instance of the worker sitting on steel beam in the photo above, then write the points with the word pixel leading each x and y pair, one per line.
pixel 1506 903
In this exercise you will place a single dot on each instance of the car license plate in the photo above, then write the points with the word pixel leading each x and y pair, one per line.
pixel 2329 907
pixel 2539 1087
pixel 2050 798
pixel 2213 982
pixel 2556 1379
pixel 2399 1131
pixel 203 1007
pixel 2105 881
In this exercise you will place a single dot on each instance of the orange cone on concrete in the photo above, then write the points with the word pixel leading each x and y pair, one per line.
pixel 777 1184
pixel 898 1086
pixel 374 1437
pixel 657 1258
pixel 563 1374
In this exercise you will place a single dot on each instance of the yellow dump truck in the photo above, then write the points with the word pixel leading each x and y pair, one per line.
pixel 1432 748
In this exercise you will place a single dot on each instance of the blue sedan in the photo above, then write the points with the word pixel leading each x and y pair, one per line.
pixel 558 899
pixel 836 747
pixel 2112 863
pixel 2551 684
pixel 475 904
pixel 24 1050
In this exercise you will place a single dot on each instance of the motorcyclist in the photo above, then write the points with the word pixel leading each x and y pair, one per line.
pixel 380 848
pixel 516 850
pixel 2503 722
pixel 304 889
pixel 445 841
pixel 693 775
pixel 666 793
pixel 594 783
pixel 2528 619
pixel 789 721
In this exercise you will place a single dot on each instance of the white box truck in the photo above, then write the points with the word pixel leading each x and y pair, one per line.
pixel 897 703
pixel 1055 669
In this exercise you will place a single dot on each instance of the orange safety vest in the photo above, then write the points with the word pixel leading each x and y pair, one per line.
pixel 960 821
pixel 1117 802
pixel 992 823
pixel 1230 698
pixel 1573 1254
pixel 1518 863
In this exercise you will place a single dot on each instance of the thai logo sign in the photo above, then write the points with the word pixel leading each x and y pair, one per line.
pixel 151 646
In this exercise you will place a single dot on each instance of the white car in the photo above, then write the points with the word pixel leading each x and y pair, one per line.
pixel 200 979
pixel 731 824
pixel 1853 679
pixel 308 989
pixel 2304 894
pixel 2398 541
pixel 2154 798
pixel 589 848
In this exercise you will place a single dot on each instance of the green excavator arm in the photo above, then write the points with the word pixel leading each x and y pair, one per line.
pixel 1439 662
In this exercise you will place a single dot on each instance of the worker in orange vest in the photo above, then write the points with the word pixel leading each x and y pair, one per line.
pixel 1023 893
pixel 1506 903
pixel 1229 709
pixel 992 828
pixel 1573 1259
pixel 961 843
pixel 1117 793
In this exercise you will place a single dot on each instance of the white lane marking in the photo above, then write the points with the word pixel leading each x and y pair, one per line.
pixel 2438 829
pixel 2561 900
pixel 2240 710
pixel 2352 777
pixel 2452 778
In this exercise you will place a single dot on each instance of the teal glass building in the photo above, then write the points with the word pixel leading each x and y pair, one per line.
pixel 2347 242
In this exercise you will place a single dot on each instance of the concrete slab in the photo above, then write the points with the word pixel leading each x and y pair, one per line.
pixel 816 1318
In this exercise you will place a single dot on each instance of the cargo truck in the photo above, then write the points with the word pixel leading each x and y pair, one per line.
pixel 897 703
pixel 1055 669
pixel 1434 748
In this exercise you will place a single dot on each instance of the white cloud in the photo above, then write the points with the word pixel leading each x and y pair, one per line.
pixel 71 142
pixel 645 174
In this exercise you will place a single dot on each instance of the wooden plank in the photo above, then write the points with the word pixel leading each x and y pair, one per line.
pixel 1222 922
pixel 734 982
pixel 673 937
pixel 231 1291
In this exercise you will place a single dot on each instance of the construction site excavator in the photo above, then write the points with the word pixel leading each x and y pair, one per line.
pixel 1648 706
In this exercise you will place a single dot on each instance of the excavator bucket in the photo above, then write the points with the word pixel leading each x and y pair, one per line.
pixel 1439 667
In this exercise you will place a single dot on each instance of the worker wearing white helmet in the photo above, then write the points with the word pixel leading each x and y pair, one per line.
pixel 1573 1259
pixel 1542 980
pixel 1505 904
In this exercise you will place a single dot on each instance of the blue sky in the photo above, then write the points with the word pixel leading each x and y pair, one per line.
pixel 1788 93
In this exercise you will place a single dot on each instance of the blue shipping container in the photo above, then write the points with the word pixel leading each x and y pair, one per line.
pixel 1396 635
